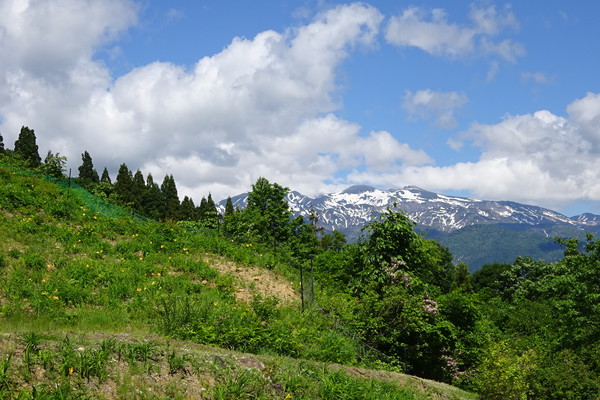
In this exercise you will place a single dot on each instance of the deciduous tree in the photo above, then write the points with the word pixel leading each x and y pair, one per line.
pixel 268 211
pixel 54 165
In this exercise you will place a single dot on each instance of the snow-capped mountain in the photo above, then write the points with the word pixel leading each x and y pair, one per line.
pixel 351 209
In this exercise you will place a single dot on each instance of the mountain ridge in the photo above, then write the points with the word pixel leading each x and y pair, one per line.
pixel 452 220
pixel 359 204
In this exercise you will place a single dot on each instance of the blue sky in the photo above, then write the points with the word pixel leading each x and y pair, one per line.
pixel 486 99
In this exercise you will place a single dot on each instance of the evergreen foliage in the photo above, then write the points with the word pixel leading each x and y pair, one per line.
pixel 138 188
pixel 26 147
pixel 170 210
pixel 187 210
pixel 211 217
pixel 123 187
pixel 229 210
pixel 1 144
pixel 87 173
pixel 152 199
pixel 105 176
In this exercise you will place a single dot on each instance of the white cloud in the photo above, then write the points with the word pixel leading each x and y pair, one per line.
pixel 489 21
pixel 46 39
pixel 492 71
pixel 260 107
pixel 536 77
pixel 439 106
pixel 436 36
pixel 431 32
pixel 537 158
pixel 585 114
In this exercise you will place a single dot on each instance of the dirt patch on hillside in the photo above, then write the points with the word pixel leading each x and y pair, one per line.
pixel 252 280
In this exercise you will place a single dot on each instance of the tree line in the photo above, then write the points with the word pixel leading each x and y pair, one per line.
pixel 131 190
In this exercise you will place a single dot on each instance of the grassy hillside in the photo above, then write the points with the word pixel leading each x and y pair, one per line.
pixel 97 303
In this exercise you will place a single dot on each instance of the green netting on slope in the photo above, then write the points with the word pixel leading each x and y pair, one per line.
pixel 90 200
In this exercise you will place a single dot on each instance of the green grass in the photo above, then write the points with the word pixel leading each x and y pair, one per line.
pixel 74 367
pixel 66 265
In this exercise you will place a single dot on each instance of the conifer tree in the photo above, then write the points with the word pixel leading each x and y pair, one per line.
pixel 87 173
pixel 229 210
pixel 170 199
pixel 211 215
pixel 123 186
pixel 202 209
pixel 228 215
pixel 104 188
pixel 1 144
pixel 26 147
pixel 137 191
pixel 105 177
pixel 152 199
pixel 188 210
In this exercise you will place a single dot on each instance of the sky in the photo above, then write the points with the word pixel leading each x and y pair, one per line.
pixel 484 99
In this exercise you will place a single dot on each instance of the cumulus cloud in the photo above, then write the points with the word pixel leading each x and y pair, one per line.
pixel 48 39
pixel 261 107
pixel 430 31
pixel 438 106
pixel 539 158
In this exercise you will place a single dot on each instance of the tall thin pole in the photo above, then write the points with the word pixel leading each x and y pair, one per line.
pixel 302 287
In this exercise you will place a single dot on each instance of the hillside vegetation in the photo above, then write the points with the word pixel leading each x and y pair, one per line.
pixel 112 291
pixel 98 302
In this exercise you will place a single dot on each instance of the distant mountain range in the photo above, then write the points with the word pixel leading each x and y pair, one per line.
pixel 476 231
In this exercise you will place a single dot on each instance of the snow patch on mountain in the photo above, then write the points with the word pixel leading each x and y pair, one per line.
pixel 359 205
